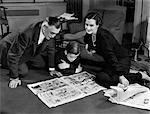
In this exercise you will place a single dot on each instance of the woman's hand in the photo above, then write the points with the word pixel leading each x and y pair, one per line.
pixel 14 82
pixel 124 81
pixel 91 52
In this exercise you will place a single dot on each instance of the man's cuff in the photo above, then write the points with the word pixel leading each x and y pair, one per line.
pixel 51 69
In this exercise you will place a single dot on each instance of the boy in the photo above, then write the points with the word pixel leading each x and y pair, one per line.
pixel 68 60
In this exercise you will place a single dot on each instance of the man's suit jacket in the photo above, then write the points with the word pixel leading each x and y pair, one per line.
pixel 116 57
pixel 22 46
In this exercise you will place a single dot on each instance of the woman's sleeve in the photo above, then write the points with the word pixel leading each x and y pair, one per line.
pixel 110 55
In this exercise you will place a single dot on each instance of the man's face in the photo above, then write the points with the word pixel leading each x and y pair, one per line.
pixel 90 26
pixel 50 31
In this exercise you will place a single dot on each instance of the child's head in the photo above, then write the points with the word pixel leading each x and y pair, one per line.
pixel 72 50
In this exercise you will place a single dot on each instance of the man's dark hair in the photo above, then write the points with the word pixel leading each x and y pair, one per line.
pixel 54 21
pixel 73 48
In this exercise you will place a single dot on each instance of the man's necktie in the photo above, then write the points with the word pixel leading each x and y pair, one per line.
pixel 40 46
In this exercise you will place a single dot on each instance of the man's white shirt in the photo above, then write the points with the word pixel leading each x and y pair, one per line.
pixel 41 37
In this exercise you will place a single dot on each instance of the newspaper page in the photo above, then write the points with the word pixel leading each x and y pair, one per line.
pixel 65 89
pixel 84 82
pixel 141 100
pixel 134 95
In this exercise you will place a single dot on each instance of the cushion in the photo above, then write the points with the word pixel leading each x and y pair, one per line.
pixel 76 27
pixel 113 20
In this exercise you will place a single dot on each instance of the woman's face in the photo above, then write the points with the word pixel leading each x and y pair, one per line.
pixel 90 26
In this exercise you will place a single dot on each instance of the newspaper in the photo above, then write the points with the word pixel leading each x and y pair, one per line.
pixel 134 95
pixel 65 89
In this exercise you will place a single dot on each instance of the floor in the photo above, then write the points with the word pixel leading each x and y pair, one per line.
pixel 22 101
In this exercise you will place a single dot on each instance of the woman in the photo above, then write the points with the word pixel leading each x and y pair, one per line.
pixel 117 61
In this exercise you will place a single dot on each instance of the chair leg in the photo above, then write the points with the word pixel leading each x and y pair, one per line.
pixel 7 26
pixel 2 30
pixel 5 23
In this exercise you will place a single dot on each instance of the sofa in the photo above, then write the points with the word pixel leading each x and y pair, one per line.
pixel 113 20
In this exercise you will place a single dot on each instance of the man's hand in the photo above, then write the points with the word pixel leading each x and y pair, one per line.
pixel 124 81
pixel 14 82
pixel 68 16
pixel 55 73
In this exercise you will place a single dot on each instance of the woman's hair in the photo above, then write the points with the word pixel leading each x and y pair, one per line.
pixel 96 16
pixel 73 47
pixel 54 21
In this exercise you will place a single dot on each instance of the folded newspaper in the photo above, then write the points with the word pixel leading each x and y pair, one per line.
pixel 65 89
pixel 134 95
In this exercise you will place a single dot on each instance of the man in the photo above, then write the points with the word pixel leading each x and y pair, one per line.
pixel 18 48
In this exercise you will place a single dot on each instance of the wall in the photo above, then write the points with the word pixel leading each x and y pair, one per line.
pixel 148 31
pixel 141 20
pixel 21 15
pixel 102 3
pixel 23 1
